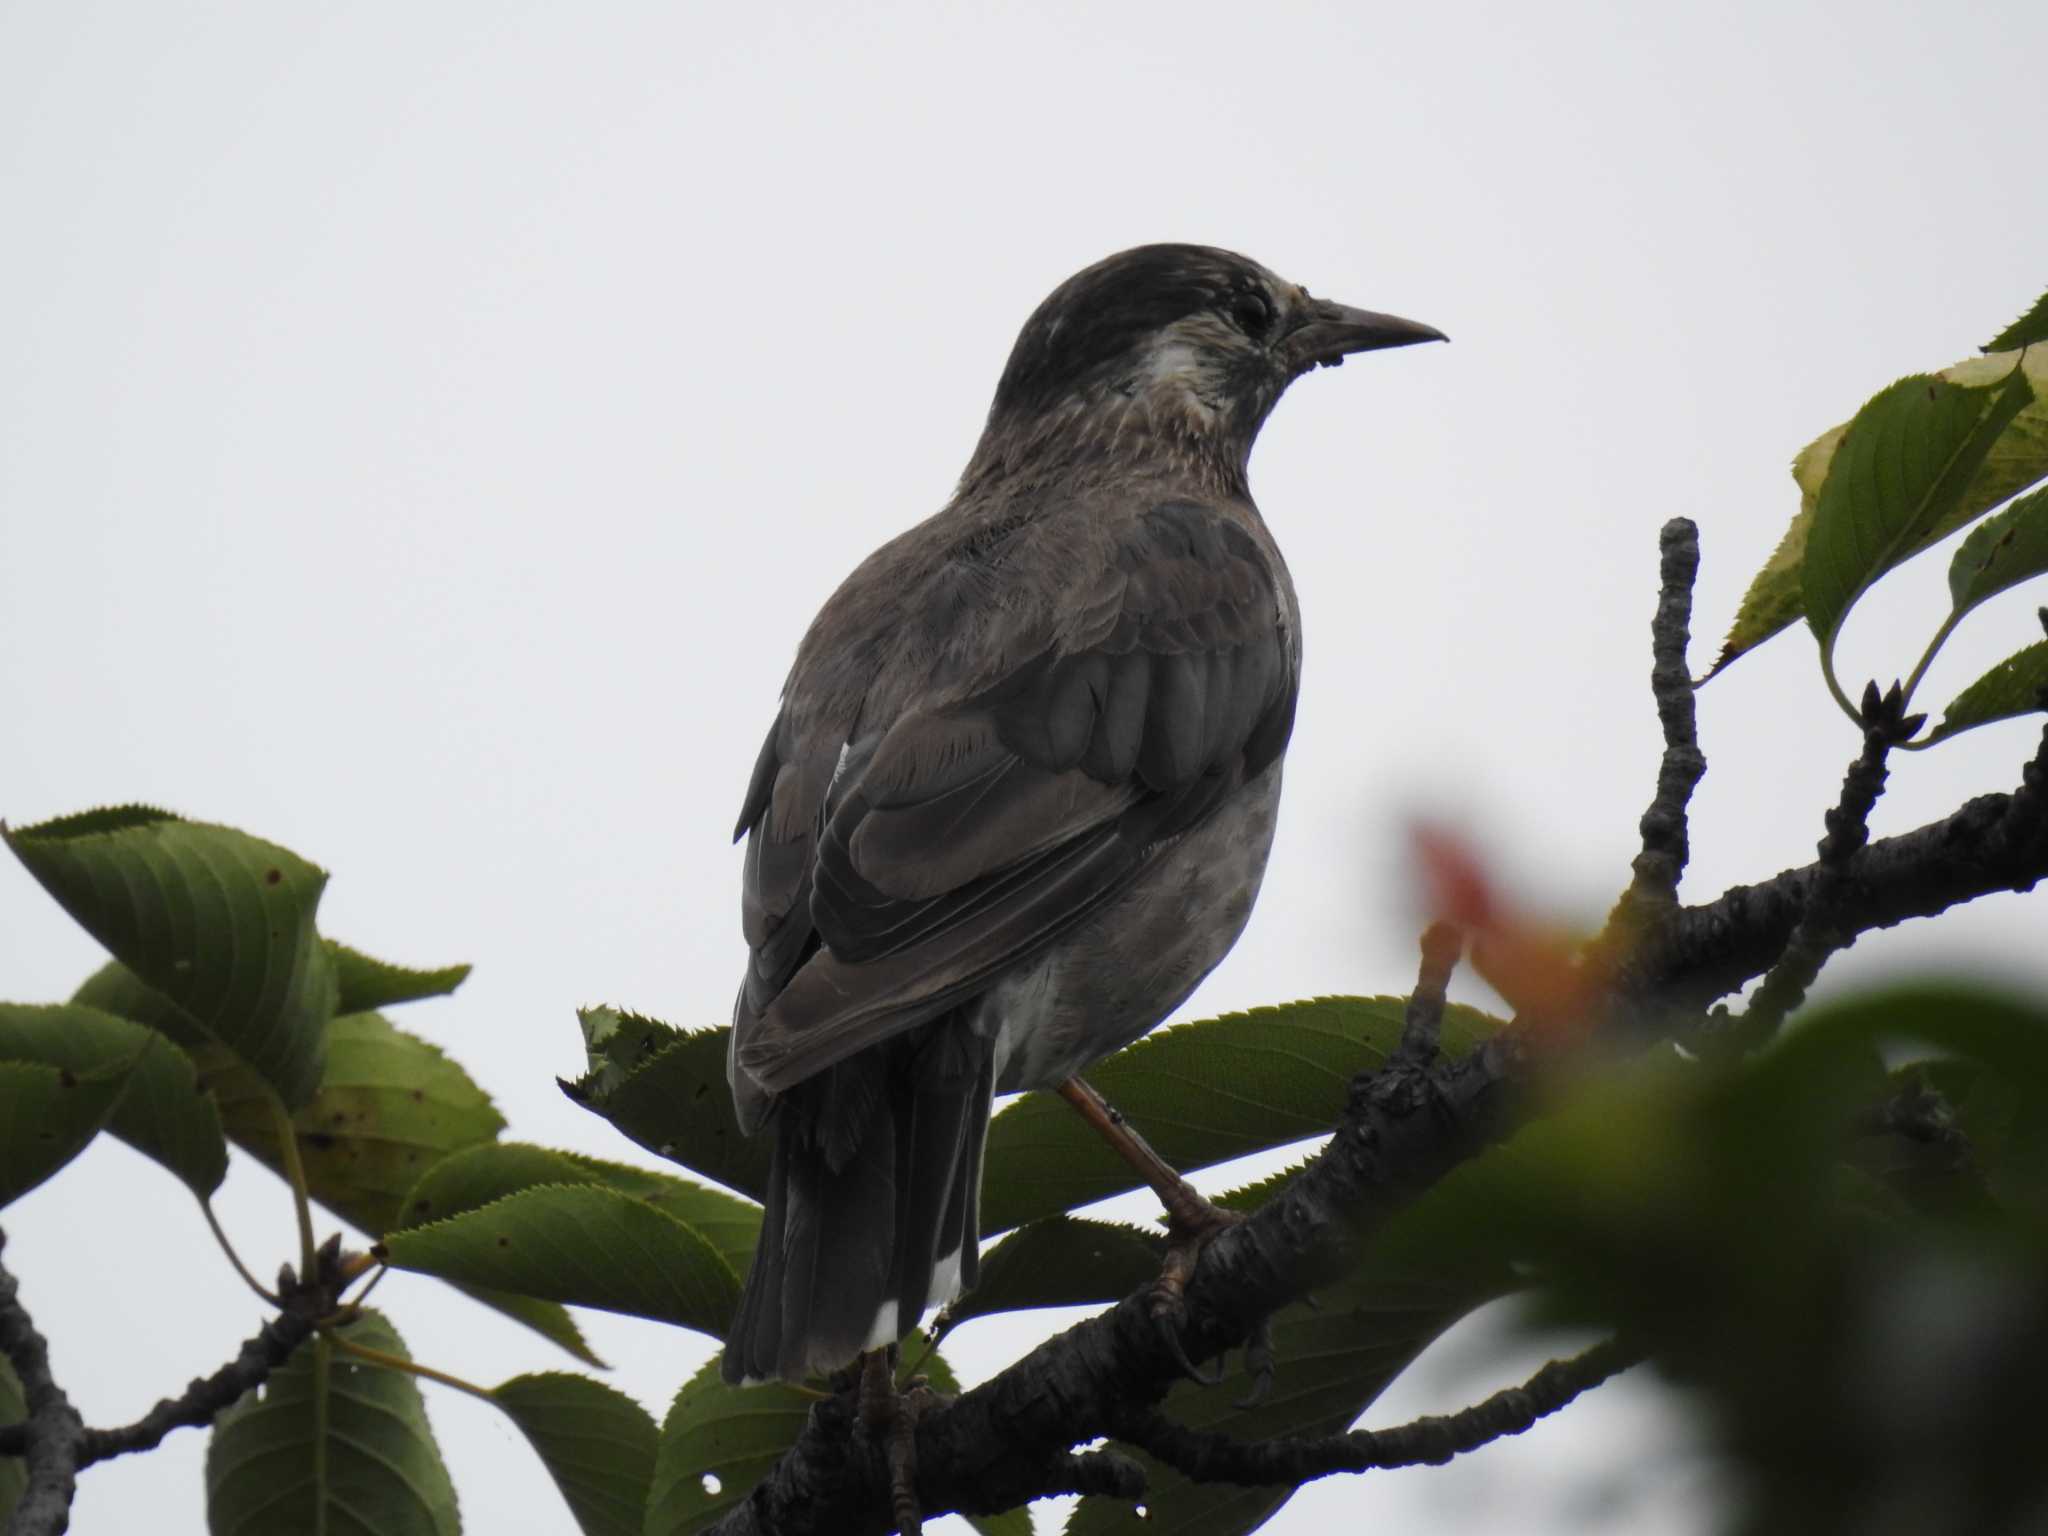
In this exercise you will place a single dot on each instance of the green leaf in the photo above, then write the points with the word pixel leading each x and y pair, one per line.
pixel 116 989
pixel 672 1099
pixel 2000 552
pixel 364 985
pixel 1061 1261
pixel 164 1115
pixel 479 1175
pixel 13 1469
pixel 2017 458
pixel 1200 1094
pixel 218 921
pixel 616 1042
pixel 549 1319
pixel 47 1117
pixel 585 1245
pixel 2025 331
pixel 391 1107
pixel 596 1442
pixel 718 1441
pixel 2008 690
pixel 1899 474
pixel 330 1445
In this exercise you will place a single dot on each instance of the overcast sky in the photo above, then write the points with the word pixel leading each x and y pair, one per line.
pixel 425 432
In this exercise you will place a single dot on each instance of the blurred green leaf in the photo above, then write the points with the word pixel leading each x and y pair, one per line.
pixel 330 1444
pixel 2006 1123
pixel 2017 458
pixel 164 1114
pixel 2007 691
pixel 584 1245
pixel 218 921
pixel 2025 331
pixel 666 1090
pixel 47 1117
pixel 364 984
pixel 597 1443
pixel 1200 1094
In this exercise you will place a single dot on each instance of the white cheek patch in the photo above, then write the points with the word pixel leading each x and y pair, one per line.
pixel 1173 362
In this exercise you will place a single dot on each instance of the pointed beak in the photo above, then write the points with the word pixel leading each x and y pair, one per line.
pixel 1328 333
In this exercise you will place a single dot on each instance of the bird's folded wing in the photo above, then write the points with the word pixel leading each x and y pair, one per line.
pixel 887 881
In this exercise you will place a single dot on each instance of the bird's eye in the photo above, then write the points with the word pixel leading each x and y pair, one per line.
pixel 1253 313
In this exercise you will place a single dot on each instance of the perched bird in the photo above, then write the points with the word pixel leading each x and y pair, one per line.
pixel 1019 795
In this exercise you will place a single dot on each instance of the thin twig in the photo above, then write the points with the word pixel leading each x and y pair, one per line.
pixel 1422 1023
pixel 1207 1457
pixel 1820 931
pixel 199 1403
pixel 53 1429
pixel 1653 892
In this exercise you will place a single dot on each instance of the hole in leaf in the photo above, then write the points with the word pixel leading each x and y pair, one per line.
pixel 711 1485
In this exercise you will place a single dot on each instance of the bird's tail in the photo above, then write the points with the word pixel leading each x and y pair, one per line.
pixel 873 1203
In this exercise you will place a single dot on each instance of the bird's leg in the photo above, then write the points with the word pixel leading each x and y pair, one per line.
pixel 1192 1220
pixel 890 1419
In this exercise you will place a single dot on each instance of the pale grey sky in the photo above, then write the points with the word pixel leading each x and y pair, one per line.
pixel 426 430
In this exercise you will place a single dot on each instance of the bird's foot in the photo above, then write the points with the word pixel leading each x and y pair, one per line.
pixel 890 1416
pixel 1193 1223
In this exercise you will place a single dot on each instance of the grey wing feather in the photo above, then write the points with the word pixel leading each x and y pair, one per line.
pixel 954 843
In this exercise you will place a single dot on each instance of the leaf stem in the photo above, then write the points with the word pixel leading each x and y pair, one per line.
pixel 1948 627
pixel 1827 672
pixel 220 1236
pixel 391 1362
pixel 295 1175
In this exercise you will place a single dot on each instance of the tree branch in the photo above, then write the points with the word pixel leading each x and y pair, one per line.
pixel 1005 1442
pixel 1993 843
pixel 53 1429
pixel 1653 893
pixel 1422 1021
pixel 1819 934
pixel 1204 1456
pixel 1407 1125
pixel 54 1439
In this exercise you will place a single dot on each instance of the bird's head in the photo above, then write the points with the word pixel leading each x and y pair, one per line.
pixel 1171 349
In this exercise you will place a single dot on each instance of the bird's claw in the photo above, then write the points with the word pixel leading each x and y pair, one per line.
pixel 1258 1364
pixel 1166 1321
pixel 890 1418
pixel 1192 1228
